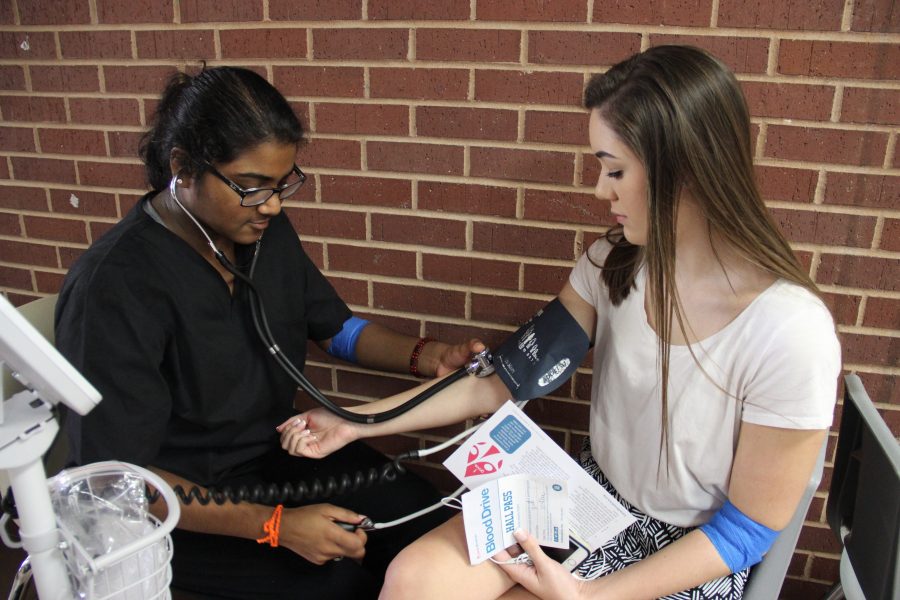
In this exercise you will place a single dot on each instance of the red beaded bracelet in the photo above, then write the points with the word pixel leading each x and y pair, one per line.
pixel 414 357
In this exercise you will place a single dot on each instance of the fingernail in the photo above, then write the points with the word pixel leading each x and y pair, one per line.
pixel 520 535
pixel 305 432
pixel 300 423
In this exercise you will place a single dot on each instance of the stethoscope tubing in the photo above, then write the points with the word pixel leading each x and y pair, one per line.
pixel 261 323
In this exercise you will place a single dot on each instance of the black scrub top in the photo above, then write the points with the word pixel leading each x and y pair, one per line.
pixel 187 384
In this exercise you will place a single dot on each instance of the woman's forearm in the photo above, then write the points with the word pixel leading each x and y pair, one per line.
pixel 686 563
pixel 464 399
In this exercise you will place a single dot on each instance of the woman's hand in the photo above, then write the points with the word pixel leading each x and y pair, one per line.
pixel 451 357
pixel 311 532
pixel 316 433
pixel 545 578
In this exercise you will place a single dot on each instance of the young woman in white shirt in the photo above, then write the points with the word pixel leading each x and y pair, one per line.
pixel 715 362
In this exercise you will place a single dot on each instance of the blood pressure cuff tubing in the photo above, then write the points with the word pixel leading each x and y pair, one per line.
pixel 739 540
pixel 543 354
pixel 343 345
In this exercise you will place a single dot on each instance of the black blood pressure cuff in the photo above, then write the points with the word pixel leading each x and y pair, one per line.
pixel 543 354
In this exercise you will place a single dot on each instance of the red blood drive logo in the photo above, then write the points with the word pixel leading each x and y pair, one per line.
pixel 478 462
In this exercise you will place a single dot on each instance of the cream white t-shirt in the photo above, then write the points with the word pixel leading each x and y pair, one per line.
pixel 779 358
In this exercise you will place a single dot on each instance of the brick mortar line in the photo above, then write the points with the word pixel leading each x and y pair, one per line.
pixel 415 178
pixel 814 262
pixel 523 47
pixel 838 85
pixel 829 167
pixel 40 242
pixel 878 232
pixel 891 150
pixel 837 103
pixel 772 56
pixel 821 183
pixel 423 284
pixel 851 291
pixel 783 121
pixel 822 553
pixel 489 219
pixel 759 148
pixel 845 251
pixel 476 25
pixel 523 261
pixel 570 148
pixel 41 268
pixel 861 311
pixel 450 252
pixel 436 140
pixel 541 295
pixel 132 43
pixel 101 127
pixel 873 370
pixel 117 160
pixel 834 209
pixel 863 330
pixel 847 15
pixel 564 147
pixel 419 64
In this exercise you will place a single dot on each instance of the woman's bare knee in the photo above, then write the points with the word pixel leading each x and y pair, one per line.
pixel 437 566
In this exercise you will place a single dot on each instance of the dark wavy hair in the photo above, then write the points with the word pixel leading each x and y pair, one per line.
pixel 213 117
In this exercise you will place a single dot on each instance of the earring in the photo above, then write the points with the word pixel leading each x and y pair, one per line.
pixel 179 180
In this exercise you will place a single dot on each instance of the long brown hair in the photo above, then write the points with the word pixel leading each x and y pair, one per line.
pixel 681 112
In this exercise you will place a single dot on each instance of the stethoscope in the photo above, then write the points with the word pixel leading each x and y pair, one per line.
pixel 480 365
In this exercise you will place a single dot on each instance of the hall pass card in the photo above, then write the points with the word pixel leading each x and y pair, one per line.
pixel 494 510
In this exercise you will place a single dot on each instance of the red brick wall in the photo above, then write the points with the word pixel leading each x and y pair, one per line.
pixel 450 190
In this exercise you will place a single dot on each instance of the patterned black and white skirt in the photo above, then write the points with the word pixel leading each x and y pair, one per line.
pixel 644 537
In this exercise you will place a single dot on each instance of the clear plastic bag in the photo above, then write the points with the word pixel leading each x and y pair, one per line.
pixel 100 513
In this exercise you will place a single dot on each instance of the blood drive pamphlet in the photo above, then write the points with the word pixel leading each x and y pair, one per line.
pixel 510 443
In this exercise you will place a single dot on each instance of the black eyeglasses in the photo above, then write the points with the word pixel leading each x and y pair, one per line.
pixel 257 196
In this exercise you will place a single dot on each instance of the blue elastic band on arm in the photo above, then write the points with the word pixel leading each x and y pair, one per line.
pixel 740 541
pixel 343 345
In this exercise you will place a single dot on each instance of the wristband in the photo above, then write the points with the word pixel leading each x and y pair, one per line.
pixel 272 527
pixel 414 357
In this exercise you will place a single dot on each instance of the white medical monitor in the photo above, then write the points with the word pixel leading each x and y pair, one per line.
pixel 39 366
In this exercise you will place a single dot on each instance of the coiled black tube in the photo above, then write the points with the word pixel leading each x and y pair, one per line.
pixel 294 493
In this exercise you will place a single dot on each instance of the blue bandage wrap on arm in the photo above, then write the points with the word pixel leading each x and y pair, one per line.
pixel 740 541
pixel 343 345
